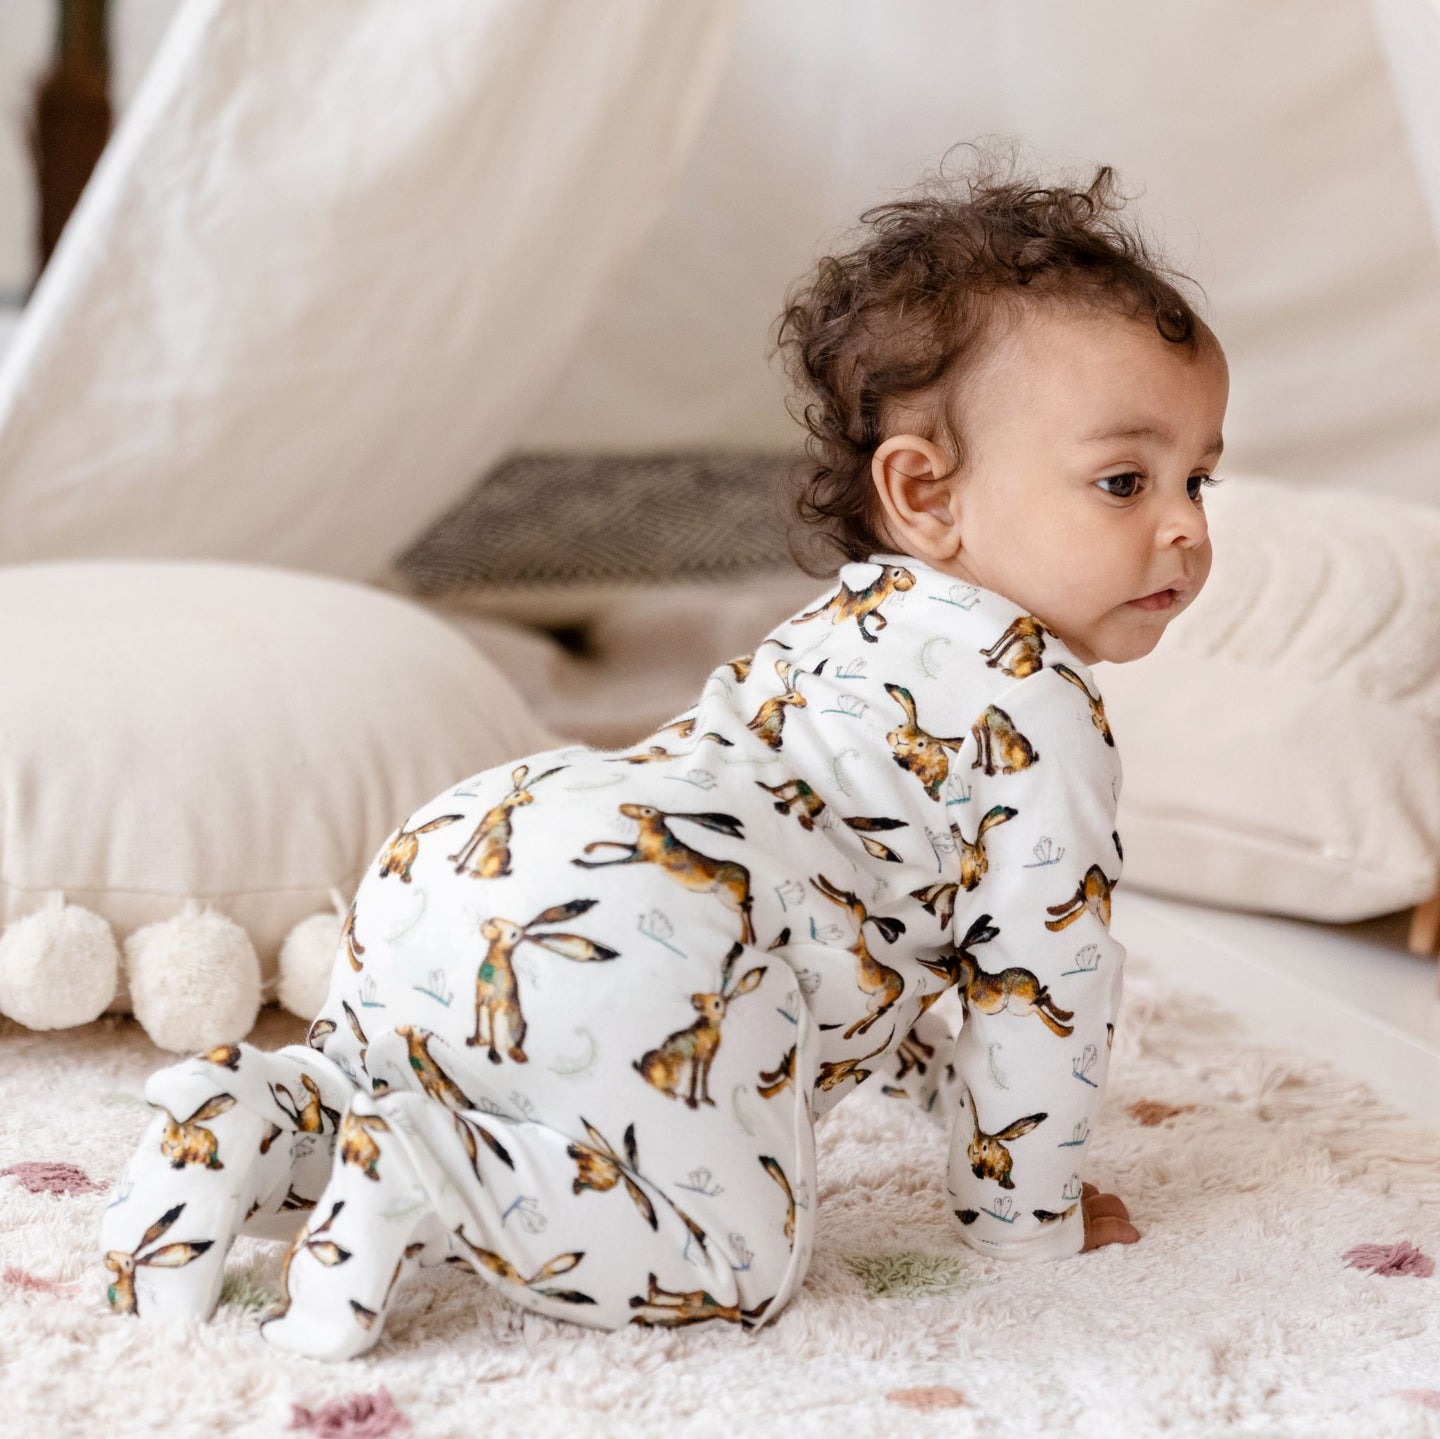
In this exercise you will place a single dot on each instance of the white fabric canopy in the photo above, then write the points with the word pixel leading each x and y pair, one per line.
pixel 332 254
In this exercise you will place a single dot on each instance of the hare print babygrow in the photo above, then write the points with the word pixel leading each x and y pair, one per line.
pixel 588 1005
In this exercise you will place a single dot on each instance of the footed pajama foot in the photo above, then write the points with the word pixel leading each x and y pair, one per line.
pixel 374 1224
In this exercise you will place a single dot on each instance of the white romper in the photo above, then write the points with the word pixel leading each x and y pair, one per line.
pixel 588 1004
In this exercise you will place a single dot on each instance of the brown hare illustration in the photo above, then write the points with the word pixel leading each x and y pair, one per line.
pixel 499 1265
pixel 939 899
pixel 684 728
pixel 689 1052
pixel 863 604
pixel 353 948
pixel 598 1167
pixel 772 1167
pixel 310 1117
pixel 355 1028
pixel 837 1071
pixel 1097 705
pixel 1093 894
pixel 740 666
pixel 325 1250
pixel 404 848
pixel 916 750
pixel 675 1307
pixel 187 1141
pixel 356 1145
pixel 468 1128
pixel 796 792
pixel 498 1016
pixel 792 793
pixel 227 1056
pixel 495 830
pixel 769 720
pixel 883 984
pixel 995 730
pixel 988 1156
pixel 1026 636
pixel 657 844
pixel 913 1053
pixel 1014 989
pixel 121 1293
pixel 772 1081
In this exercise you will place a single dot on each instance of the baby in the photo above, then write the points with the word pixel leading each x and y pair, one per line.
pixel 588 1006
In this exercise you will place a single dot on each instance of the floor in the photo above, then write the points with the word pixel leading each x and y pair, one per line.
pixel 1348 993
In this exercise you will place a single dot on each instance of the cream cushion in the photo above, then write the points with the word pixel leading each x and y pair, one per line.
pixel 1281 745
pixel 234 736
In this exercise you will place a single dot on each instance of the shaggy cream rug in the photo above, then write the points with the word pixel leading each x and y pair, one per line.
pixel 1285 1284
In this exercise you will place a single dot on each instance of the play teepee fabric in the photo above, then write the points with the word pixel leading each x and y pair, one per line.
pixel 331 253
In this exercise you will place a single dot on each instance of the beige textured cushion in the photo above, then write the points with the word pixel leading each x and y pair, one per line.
pixel 1281 746
pixel 234 734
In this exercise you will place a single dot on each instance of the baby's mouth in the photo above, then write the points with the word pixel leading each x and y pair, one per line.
pixel 1160 600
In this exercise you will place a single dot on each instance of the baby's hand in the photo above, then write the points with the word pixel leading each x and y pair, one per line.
pixel 1107 1221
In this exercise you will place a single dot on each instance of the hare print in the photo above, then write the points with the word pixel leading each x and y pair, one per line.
pixel 121 1293
pixel 771 1081
pixel 1093 894
pixel 837 1071
pixel 793 793
pixel 939 899
pixel 769 720
pixel 187 1141
pixel 404 848
pixel 862 604
pixel 740 666
pixel 689 1052
pixel 493 834
pixel 498 1016
pixel 657 844
pixel 310 1117
pixel 598 1167
pixel 995 730
pixel 988 1156
pixel 498 1265
pixel 352 947
pixel 796 792
pixel 676 1307
pixel 772 1167
pixel 883 984
pixel 1097 705
pixel 1018 651
pixel 356 1145
pixel 915 749
pixel 1015 990
pixel 326 1251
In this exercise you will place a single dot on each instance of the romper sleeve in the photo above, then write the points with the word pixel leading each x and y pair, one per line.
pixel 1039 975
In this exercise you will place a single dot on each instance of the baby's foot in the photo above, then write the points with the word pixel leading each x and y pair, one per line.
pixel 374 1223
pixel 167 1233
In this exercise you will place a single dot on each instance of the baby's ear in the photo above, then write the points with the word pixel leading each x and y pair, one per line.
pixel 912 477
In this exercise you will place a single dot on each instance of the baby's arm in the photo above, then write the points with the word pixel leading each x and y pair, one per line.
pixel 1041 975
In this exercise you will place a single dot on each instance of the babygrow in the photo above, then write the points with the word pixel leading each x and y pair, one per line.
pixel 589 1004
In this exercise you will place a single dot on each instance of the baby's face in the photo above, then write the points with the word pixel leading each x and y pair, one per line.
pixel 1090 437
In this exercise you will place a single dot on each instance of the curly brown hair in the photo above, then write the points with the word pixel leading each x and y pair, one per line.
pixel 907 310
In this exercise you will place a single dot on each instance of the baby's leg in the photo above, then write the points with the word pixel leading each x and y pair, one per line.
pixel 557 1227
pixel 243 1136
pixel 920 1069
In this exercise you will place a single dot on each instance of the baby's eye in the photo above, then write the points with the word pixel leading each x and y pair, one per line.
pixel 1198 482
pixel 1129 485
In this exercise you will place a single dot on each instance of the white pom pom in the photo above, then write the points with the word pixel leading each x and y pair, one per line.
pixel 58 967
pixel 306 959
pixel 194 980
